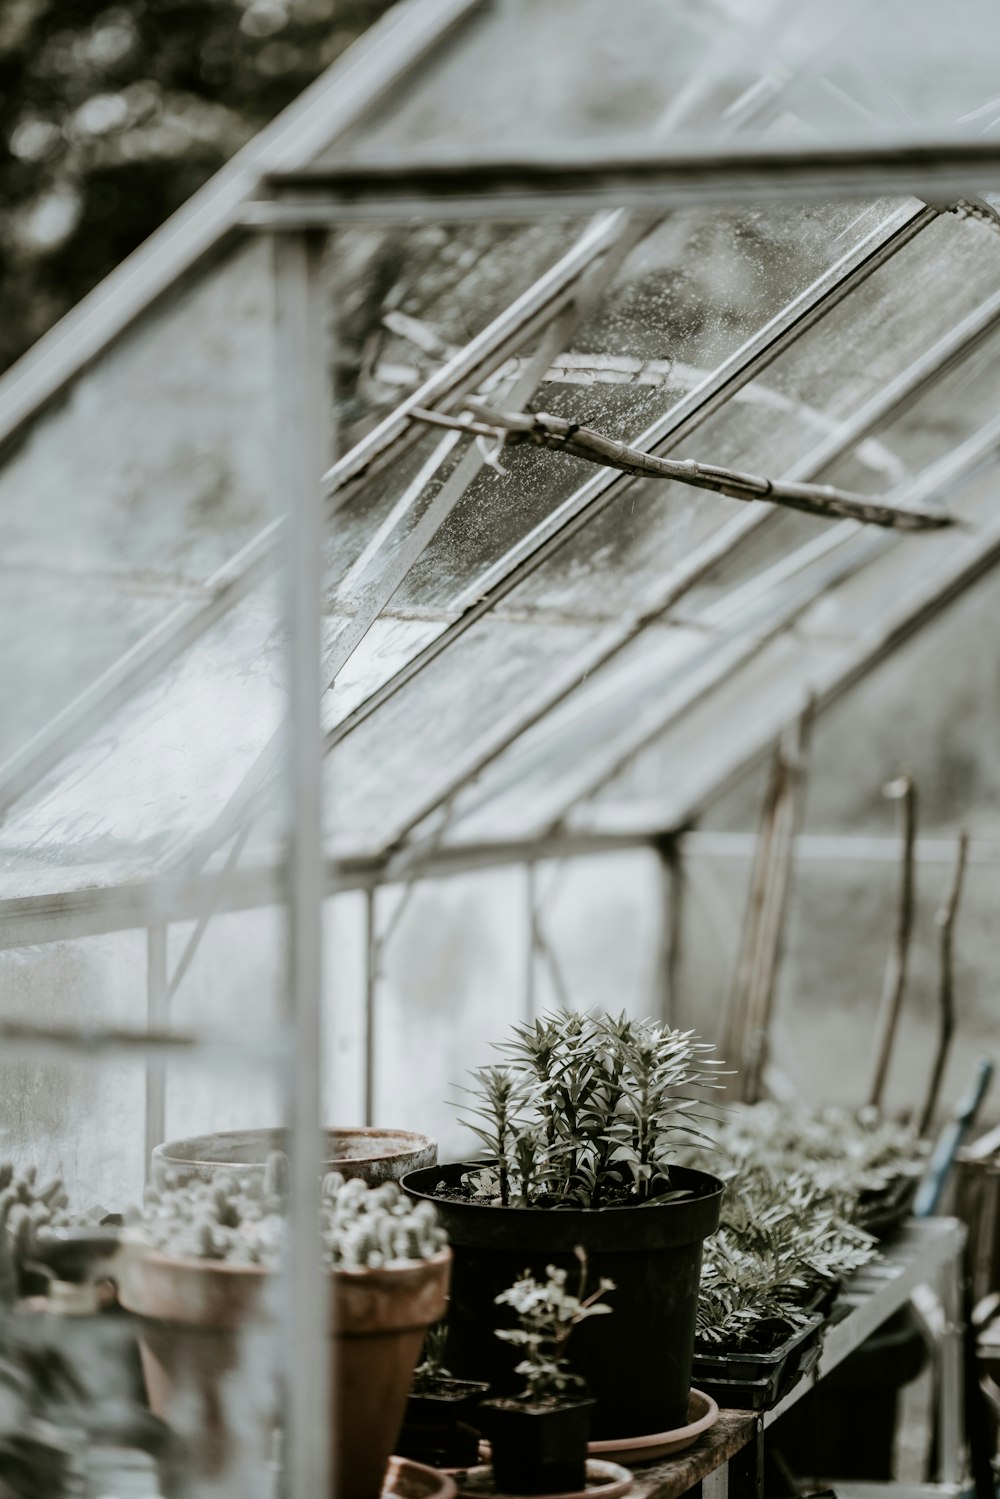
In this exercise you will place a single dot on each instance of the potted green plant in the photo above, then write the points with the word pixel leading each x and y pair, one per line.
pixel 872 1164
pixel 539 1436
pixel 197 1269
pixel 579 1127
pixel 783 1248
pixel 440 1425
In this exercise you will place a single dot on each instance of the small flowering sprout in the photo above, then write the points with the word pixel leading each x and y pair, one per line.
pixel 241 1220
pixel 547 1313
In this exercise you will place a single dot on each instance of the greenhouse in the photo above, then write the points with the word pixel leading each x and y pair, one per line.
pixel 500 732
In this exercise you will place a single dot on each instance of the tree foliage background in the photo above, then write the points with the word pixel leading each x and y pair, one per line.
pixel 112 115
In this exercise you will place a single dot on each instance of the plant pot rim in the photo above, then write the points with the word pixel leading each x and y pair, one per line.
pixel 654 1225
pixel 184 1262
pixel 539 1408
pixel 629 1210
pixel 140 1249
pixel 205 1153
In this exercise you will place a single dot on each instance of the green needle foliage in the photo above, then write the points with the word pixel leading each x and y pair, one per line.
pixel 547 1313
pixel 587 1111
pixel 782 1242
pixel 851 1154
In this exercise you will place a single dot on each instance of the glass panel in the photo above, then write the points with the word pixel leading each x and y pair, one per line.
pixel 522 78
pixel 693 290
pixel 101 619
pixel 404 298
pixel 775 423
pixel 400 755
pixel 452 981
pixel 160 770
pixel 657 307
pixel 157 461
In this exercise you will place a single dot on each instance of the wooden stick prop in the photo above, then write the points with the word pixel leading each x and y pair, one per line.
pixel 904 789
pixel 542 430
pixel 946 918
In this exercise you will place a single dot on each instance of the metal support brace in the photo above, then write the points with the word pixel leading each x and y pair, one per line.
pixel 300 386
pixel 531 895
pixel 373 954
pixel 157 1018
pixel 950 1384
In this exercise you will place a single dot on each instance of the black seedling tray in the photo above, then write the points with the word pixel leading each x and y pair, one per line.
pixel 756 1381
pixel 883 1213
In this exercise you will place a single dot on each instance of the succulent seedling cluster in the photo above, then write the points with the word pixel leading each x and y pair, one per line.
pixel 28 1207
pixel 368 1227
pixel 241 1219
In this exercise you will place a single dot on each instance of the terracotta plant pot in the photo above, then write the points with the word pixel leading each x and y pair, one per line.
pixel 206 1333
pixel 375 1155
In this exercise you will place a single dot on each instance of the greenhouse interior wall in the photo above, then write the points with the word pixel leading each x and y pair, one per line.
pixel 171 481
pixel 358 711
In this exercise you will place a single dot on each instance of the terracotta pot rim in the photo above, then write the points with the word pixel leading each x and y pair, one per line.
pixel 407 1142
pixel 196 1262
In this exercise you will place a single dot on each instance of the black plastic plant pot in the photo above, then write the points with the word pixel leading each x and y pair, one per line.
pixel 636 1362
pixel 538 1449
pixel 441 1424
pixel 756 1381
pixel 448 1401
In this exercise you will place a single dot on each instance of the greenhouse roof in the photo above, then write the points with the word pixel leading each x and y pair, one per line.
pixel 525 650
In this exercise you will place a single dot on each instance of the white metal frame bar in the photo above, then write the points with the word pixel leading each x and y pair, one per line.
pixel 187 623
pixel 300 386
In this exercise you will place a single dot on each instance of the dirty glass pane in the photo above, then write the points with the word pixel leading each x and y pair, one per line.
pixel 521 77
pixel 400 755
pixel 659 341
pixel 772 426
pixel 451 982
pixel 102 621
pixel 160 769
pixel 661 327
pixel 403 300
pixel 156 463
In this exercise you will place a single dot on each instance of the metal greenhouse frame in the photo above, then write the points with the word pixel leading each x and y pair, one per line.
pixel 712 690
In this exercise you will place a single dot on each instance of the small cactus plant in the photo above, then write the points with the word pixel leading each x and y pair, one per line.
pixel 240 1219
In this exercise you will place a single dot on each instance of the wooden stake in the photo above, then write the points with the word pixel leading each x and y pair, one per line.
pixel 894 985
pixel 946 918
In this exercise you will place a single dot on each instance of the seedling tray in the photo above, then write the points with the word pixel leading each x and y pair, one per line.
pixel 883 1213
pixel 756 1381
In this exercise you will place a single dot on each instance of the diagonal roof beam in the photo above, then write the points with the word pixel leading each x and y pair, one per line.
pixel 384 584
pixel 684 417
pixel 186 624
pixel 964 566
pixel 669 590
